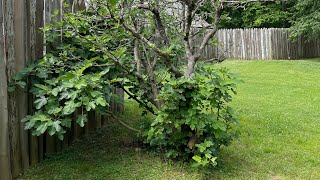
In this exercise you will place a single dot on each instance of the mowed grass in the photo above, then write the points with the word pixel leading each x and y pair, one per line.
pixel 279 109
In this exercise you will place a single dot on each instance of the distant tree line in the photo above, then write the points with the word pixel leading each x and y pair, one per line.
pixel 263 14
pixel 301 16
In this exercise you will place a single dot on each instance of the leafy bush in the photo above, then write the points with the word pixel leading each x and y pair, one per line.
pixel 74 76
pixel 196 120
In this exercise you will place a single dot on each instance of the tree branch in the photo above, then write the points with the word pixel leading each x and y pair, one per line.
pixel 150 109
pixel 109 54
pixel 212 32
pixel 158 22
pixel 152 46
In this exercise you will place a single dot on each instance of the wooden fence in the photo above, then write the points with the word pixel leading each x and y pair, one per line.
pixel 21 41
pixel 263 44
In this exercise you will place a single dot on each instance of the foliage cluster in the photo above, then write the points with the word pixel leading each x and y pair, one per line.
pixel 307 19
pixel 74 76
pixel 301 16
pixel 265 14
pixel 196 120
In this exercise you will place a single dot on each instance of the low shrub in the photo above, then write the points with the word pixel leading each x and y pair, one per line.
pixel 195 120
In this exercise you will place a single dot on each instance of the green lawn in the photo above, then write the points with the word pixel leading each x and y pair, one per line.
pixel 279 110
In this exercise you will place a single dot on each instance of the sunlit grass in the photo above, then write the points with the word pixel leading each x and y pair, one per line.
pixel 279 109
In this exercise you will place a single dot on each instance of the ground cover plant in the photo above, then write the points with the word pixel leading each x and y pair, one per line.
pixel 278 106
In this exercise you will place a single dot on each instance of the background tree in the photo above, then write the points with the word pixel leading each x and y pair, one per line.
pixel 263 14
pixel 306 19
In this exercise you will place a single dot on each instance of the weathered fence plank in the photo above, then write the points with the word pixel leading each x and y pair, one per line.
pixel 36 51
pixel 14 123
pixel 272 43
pixel 49 8
pixel 20 60
pixel 98 119
pixel 5 165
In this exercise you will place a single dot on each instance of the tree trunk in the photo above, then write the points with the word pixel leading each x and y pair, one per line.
pixel 136 54
pixel 190 68
pixel 155 91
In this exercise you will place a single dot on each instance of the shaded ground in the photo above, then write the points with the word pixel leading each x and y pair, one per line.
pixel 111 153
pixel 279 110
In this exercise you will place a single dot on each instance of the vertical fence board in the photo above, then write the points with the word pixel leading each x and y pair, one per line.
pixel 58 144
pixel 20 60
pixel 33 141
pixel 41 150
pixel 36 10
pixel 105 120
pixel 14 124
pixel 5 167
pixel 50 142
pixel 98 120
pixel 77 131
pixel 91 121
pixel 65 142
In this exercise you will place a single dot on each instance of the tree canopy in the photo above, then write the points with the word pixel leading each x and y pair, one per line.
pixel 264 14
pixel 148 49
pixel 307 19
pixel 301 16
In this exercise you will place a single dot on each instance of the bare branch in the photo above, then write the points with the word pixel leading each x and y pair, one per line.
pixel 158 22
pixel 211 32
pixel 152 46
pixel 188 21
pixel 132 96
